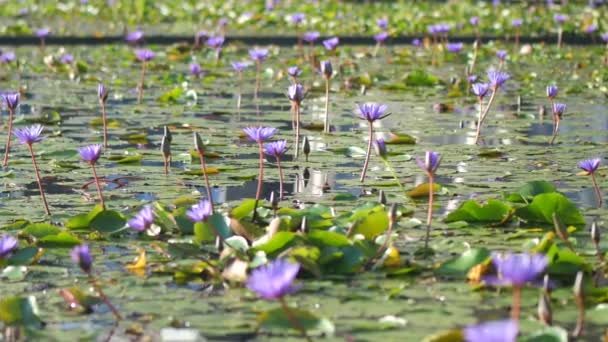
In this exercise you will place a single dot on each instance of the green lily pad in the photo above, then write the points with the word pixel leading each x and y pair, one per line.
pixel 460 265
pixel 472 211
pixel 544 205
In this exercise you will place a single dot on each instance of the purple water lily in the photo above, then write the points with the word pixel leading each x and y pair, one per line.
pixel 474 21
pixel 560 18
pixel 258 55
pixel 135 36
pixel 516 22
pixel 274 280
pixel 43 33
pixel 493 331
pixel 12 102
pixel 294 71
pixel 215 42
pixel 277 149
pixel 259 134
pixel 471 79
pixel 295 93
pixel 370 112
pixel 552 91
pixel 67 59
pixel 239 66
pixel 195 70
pixel 382 23
pixel 480 89
pixel 91 154
pixel 381 37
pixel 430 163
pixel 311 37
pixel 331 44
pixel 200 211
pixel 497 78
pixel 590 165
pixel 144 55
pixel 297 18
pixel 8 245
pixel 143 220
pixel 7 57
pixel 30 135
pixel 81 256
pixel 454 47
pixel 381 148
pixel 501 54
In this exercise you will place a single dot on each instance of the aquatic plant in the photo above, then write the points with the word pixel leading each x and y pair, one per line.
pixel 12 102
pixel 81 256
pixel 589 166
pixel 327 72
pixel 260 134
pixel 274 281
pixel 134 37
pixel 144 56
pixel 28 136
pixel 380 39
pixel 516 270
pixel 310 38
pixel 216 44
pixel 331 44
pixel 42 34
pixel 295 93
pixel 560 19
pixel 297 19
pixel 258 56
pixel 199 146
pixel 294 72
pixel 496 80
pixel 165 147
pixel 102 94
pixel 429 165
pixel 91 154
pixel 381 151
pixel 370 112
pixel 558 111
pixel 8 245
pixel 516 24
pixel 143 220
pixel 239 67
pixel 494 331
pixel 277 149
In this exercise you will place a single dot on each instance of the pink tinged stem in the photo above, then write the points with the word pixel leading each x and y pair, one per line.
pixel 280 178
pixel 552 102
pixel 484 114
pixel 46 206
pixel 104 298
pixel 261 177
pixel 238 101
pixel 326 126
pixel 10 133
pixel 140 94
pixel 103 204
pixel 516 305
pixel 105 124
pixel 297 113
pixel 201 156
pixel 293 320
pixel 257 78
pixel 598 193
pixel 429 216
pixel 369 151
pixel 557 120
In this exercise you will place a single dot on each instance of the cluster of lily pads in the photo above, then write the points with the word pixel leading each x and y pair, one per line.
pixel 266 244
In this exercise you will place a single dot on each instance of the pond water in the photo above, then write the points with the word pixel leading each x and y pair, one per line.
pixel 362 306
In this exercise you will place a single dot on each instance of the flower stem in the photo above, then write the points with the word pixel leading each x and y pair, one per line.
pixel 10 133
pixel 369 151
pixel 103 204
pixel 105 125
pixel 598 193
pixel 103 296
pixel 516 305
pixel 257 78
pixel 261 176
pixel 392 171
pixel 483 114
pixel 293 320
pixel 280 178
pixel 326 126
pixel 559 37
pixel 238 101
pixel 46 206
pixel 140 94
pixel 201 156
pixel 429 216
pixel 557 120
pixel 297 145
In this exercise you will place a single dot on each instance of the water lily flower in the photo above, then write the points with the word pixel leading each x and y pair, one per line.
pixel 200 211
pixel 277 149
pixel 239 66
pixel 196 70
pixel 7 57
pixel 381 148
pixel 259 134
pixel 382 23
pixel 81 256
pixel 12 102
pixel 381 37
pixel 8 245
pixel 560 18
pixel 43 33
pixel 474 21
pixel 552 91
pixel 215 42
pixel 311 37
pixel 517 270
pixel 454 47
pixel 493 331
pixel 497 78
pixel 516 22
pixel 67 59
pixel 91 154
pixel 501 54
pixel 102 94
pixel 294 71
pixel 29 135
pixel 591 28
pixel 297 18
pixel 471 79
pixel 326 69
pixel 135 36
pixel 604 37
pixel 331 44
pixel 295 93
pixel 274 280
pixel 327 72
pixel 370 112
pixel 258 55
pixel 480 89
pixel 559 109
pixel 144 55
pixel 143 220
pixel 430 163
pixel 416 42
pixel 590 166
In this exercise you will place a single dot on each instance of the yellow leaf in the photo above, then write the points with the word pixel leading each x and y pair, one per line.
pixel 392 259
pixel 138 267
pixel 423 190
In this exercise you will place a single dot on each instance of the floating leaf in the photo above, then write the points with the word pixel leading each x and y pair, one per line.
pixel 401 139
pixel 83 221
pixel 422 190
pixel 108 221
pixel 277 320
pixel 171 96
pixel 531 189
pixel 325 238
pixel 244 209
pixel 40 230
pixel 460 265
pixel 20 311
pixel 61 240
pixel 372 225
pixel 472 211
pixel 544 205
pixel 549 334
pixel 279 242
